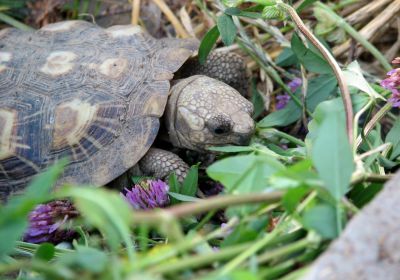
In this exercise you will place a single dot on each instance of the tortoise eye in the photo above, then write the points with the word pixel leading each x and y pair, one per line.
pixel 221 130
pixel 219 124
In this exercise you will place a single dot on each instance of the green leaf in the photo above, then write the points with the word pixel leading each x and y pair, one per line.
pixel 174 187
pixel 273 12
pixel 283 117
pixel 86 258
pixel 45 252
pixel 232 11
pixel 394 137
pixel 361 194
pixel 305 4
pixel 182 197
pixel 322 219
pixel 257 100
pixel 105 210
pixel 244 173
pixel 236 275
pixel 319 89
pixel 286 58
pixel 232 149
pixel 301 173
pixel 227 29
pixel 251 15
pixel 189 186
pixel 330 151
pixel 11 230
pixel 293 197
pixel 311 60
pixel 207 44
pixel 14 215
pixel 354 77
pixel 245 232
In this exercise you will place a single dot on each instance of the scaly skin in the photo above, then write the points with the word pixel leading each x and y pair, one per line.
pixel 201 112
pixel 160 164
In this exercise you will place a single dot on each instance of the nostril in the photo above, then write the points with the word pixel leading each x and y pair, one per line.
pixel 244 139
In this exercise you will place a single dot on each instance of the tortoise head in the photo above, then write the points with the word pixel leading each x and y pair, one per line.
pixel 204 112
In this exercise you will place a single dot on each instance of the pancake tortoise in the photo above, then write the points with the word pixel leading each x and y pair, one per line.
pixel 73 89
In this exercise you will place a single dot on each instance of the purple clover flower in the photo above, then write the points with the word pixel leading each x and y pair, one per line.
pixel 283 99
pixel 392 83
pixel 295 84
pixel 47 221
pixel 148 194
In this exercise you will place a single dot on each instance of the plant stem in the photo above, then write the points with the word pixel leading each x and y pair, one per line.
pixel 258 55
pixel 15 23
pixel 372 178
pixel 224 254
pixel 371 124
pixel 185 244
pixel 283 135
pixel 332 62
pixel 201 260
pixel 205 220
pixel 357 36
pixel 283 251
pixel 204 205
pixel 356 119
pixel 254 248
pixel 53 271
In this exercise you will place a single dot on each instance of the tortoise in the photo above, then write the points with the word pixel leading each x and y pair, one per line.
pixel 96 96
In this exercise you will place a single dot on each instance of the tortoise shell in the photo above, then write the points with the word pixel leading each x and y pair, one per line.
pixel 73 89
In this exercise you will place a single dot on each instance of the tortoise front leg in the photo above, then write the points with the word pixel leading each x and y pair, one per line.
pixel 160 164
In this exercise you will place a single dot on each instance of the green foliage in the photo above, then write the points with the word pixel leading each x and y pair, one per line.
pixel 267 239
pixel 14 215
pixel 227 29
pixel 105 210
pixel 319 89
pixel 273 12
pixel 186 190
pixel 45 252
pixel 305 4
pixel 85 258
pixel 244 173
pixel 310 58
pixel 394 137
pixel 331 152
pixel 207 43
pixel 322 219
pixel 189 186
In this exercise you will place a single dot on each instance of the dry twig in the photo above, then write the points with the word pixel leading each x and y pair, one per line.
pixel 135 12
pixel 373 27
pixel 180 30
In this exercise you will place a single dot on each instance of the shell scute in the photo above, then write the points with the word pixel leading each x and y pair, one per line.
pixel 93 95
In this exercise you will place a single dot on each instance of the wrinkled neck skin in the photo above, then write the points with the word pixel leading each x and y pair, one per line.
pixel 202 112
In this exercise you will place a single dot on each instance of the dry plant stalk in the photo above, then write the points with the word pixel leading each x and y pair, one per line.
pixel 186 21
pixel 373 27
pixel 180 30
pixel 366 11
pixel 135 12
pixel 394 50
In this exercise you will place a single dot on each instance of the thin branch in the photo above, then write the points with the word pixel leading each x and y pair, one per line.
pixel 135 12
pixel 205 205
pixel 332 62
pixel 180 30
